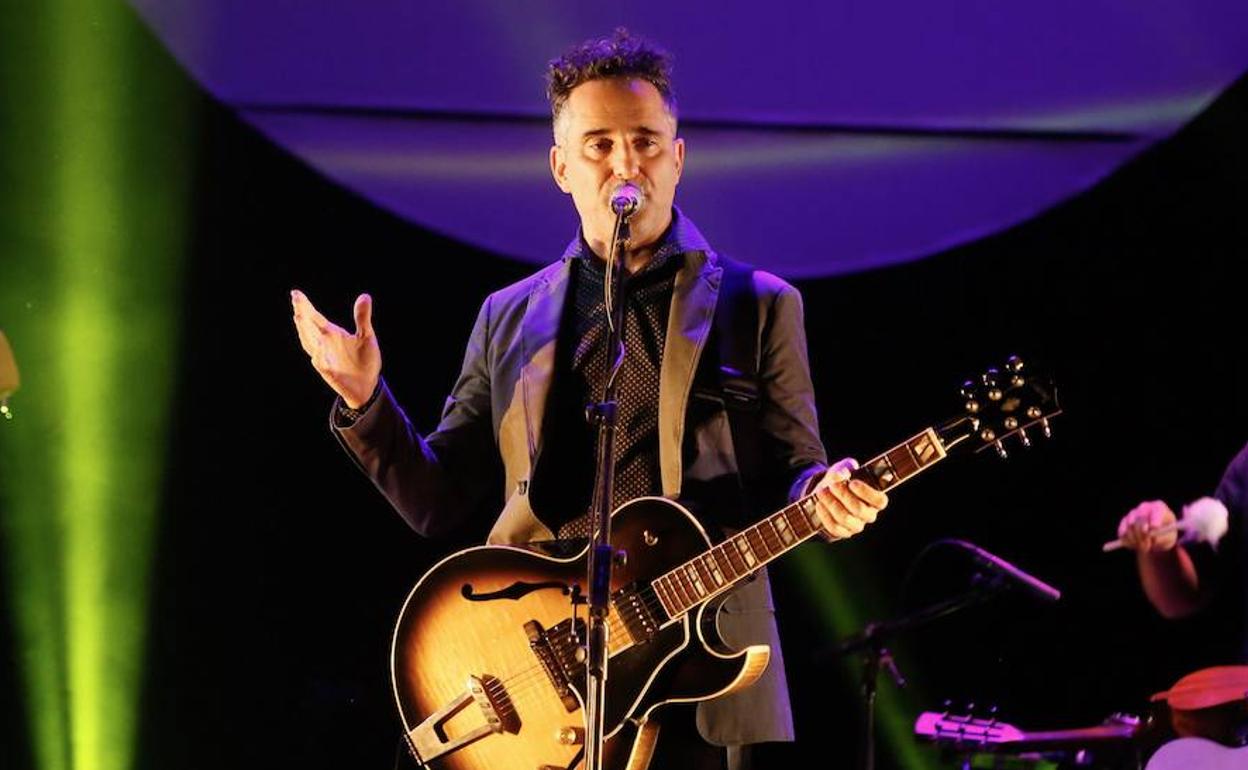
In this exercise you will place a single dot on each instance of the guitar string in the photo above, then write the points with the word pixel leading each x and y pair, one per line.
pixel 525 680
pixel 534 677
pixel 680 590
pixel 522 680
pixel 517 680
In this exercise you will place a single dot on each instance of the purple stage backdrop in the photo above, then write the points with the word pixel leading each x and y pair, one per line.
pixel 822 137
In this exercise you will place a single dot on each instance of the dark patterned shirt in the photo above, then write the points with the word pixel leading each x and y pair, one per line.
pixel 567 461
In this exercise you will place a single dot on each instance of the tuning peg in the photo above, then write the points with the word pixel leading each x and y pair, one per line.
pixel 969 390
pixel 992 381
pixel 1004 455
pixel 1011 423
pixel 988 434
pixel 1024 439
pixel 1014 364
pixel 1048 430
pixel 972 407
pixel 1033 413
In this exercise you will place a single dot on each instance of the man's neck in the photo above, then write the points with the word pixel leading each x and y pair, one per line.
pixel 635 258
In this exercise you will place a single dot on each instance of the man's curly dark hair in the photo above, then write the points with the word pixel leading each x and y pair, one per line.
pixel 620 55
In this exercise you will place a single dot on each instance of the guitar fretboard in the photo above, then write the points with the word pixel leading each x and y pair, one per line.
pixel 718 569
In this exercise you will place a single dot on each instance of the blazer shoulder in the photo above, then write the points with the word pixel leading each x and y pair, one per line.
pixel 766 286
pixel 517 294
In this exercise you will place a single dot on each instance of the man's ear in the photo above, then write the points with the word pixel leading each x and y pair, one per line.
pixel 559 168
pixel 679 148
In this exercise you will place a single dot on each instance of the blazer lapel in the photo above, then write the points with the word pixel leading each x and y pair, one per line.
pixel 539 332
pixel 694 295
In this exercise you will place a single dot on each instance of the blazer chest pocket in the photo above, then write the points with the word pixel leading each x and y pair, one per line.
pixel 734 391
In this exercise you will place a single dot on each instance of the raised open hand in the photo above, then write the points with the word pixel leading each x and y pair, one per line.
pixel 349 362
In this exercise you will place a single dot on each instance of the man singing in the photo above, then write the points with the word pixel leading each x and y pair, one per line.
pixel 716 404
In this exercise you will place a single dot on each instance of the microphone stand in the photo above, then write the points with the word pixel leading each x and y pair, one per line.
pixel 601 554
pixel 871 640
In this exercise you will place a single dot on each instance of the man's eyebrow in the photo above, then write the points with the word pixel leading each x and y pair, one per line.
pixel 643 130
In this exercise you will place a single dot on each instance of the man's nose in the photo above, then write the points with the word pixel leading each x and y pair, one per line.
pixel 624 163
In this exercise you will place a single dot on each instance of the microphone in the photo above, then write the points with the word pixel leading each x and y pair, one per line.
pixel 9 379
pixel 1204 521
pixel 1029 583
pixel 627 200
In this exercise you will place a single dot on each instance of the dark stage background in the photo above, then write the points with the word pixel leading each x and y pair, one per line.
pixel 280 570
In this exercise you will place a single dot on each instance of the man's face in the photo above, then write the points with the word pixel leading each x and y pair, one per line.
pixel 613 131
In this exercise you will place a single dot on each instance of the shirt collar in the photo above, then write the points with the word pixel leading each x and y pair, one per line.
pixel 682 236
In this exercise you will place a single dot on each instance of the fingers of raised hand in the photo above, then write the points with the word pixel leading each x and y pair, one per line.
pixel 319 337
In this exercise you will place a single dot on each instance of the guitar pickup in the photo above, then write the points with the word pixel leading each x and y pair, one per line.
pixel 429 739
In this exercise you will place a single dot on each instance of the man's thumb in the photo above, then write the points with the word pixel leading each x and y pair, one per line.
pixel 364 316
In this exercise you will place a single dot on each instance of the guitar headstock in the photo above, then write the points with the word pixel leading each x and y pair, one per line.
pixel 1003 403
pixel 964 731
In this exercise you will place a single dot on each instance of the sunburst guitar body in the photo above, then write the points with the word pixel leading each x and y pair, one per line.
pixel 488 669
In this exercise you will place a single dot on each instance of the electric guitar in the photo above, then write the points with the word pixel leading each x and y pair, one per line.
pixel 487 662
pixel 972 734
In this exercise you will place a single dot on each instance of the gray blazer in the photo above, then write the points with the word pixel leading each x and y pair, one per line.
pixel 495 413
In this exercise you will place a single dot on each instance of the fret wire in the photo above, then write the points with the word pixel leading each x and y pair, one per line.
pixel 742 544
pixel 657 590
pixel 903 461
pixel 720 554
pixel 809 509
pixel 913 454
pixel 712 571
pixel 695 578
pixel 685 593
pixel 704 575
pixel 797 522
pixel 673 601
pixel 739 567
pixel 755 538
pixel 774 543
pixel 781 524
pixel 686 579
pixel 682 600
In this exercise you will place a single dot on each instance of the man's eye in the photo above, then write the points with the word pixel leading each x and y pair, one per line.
pixel 602 145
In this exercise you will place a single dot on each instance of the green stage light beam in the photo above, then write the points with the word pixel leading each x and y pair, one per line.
pixel 100 151
pixel 840 610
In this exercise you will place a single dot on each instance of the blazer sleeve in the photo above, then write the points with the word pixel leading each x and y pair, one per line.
pixel 789 424
pixel 436 482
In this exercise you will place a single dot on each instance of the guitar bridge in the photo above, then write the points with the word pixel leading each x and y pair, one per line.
pixel 557 649
pixel 429 740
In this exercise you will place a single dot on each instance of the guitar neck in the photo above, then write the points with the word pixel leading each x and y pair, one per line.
pixel 718 569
